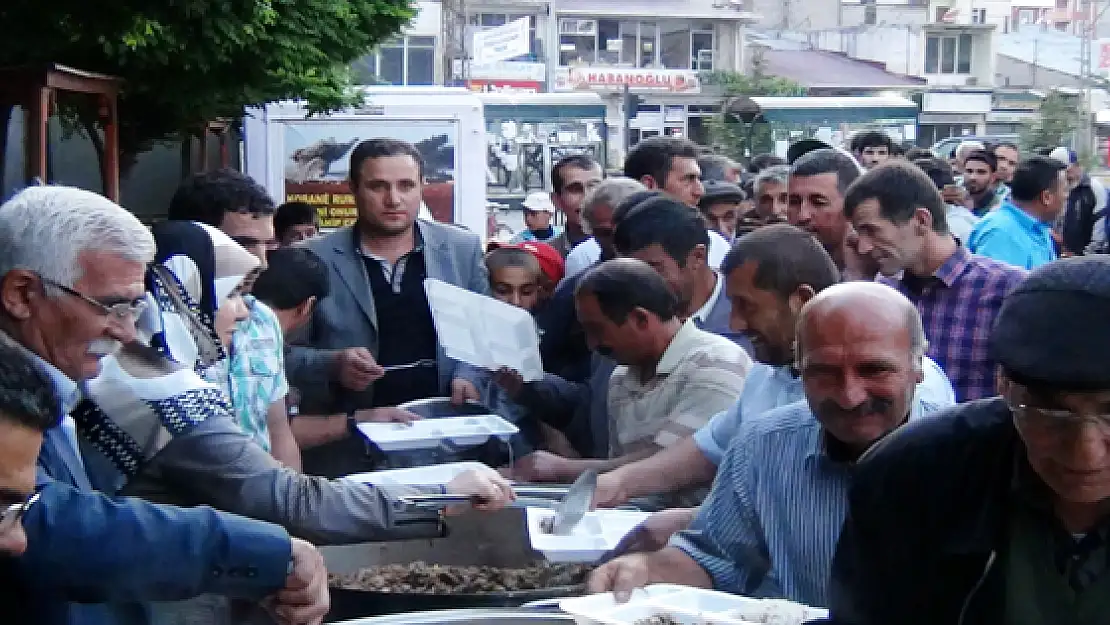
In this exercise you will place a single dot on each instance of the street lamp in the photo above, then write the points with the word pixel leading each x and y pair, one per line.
pixel 746 110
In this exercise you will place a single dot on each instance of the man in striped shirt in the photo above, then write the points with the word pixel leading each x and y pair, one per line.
pixel 902 224
pixel 771 522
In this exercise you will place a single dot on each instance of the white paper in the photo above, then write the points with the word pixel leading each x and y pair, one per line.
pixel 484 332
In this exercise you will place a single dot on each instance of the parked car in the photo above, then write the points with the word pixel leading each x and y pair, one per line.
pixel 946 148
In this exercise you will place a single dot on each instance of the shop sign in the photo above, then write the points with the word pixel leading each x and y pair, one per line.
pixel 505 86
pixel 507 71
pixel 637 80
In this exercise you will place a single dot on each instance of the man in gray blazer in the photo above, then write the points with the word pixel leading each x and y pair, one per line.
pixel 372 342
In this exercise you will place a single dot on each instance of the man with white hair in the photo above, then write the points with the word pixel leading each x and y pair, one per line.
pixel 72 267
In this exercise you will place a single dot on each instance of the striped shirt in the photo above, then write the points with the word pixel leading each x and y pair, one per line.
pixel 958 304
pixel 770 525
pixel 699 375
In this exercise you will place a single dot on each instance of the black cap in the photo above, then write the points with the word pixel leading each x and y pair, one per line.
pixel 800 148
pixel 719 191
pixel 1053 331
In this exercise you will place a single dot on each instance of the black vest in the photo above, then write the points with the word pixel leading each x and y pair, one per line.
pixel 406 332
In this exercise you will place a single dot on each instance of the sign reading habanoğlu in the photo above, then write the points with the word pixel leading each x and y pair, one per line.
pixel 615 79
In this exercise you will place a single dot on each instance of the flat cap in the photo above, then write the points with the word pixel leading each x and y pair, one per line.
pixel 720 191
pixel 1053 330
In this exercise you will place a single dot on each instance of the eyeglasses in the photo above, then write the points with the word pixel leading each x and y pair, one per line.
pixel 12 516
pixel 123 311
pixel 1057 422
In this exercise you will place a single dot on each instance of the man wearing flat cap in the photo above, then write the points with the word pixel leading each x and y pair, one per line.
pixel 997 511
pixel 720 207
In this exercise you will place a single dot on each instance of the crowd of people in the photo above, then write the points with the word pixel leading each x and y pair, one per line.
pixel 849 377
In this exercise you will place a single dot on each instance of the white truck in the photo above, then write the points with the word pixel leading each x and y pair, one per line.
pixel 305 158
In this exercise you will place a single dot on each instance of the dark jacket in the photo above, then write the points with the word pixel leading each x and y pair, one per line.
pixel 94 560
pixel 926 519
pixel 1080 216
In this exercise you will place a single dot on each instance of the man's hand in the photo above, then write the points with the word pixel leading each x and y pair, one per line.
pixel 611 491
pixel 653 532
pixel 621 576
pixel 489 490
pixel 357 369
pixel 304 599
pixel 857 266
pixel 462 390
pixel 956 195
pixel 386 415
pixel 510 381
pixel 538 466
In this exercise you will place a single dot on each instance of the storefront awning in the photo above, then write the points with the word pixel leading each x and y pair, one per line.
pixel 542 107
pixel 834 110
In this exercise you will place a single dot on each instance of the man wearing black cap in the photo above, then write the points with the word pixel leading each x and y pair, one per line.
pixel 720 207
pixel 996 511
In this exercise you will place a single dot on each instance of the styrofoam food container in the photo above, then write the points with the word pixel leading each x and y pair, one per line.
pixel 465 431
pixel 682 602
pixel 432 475
pixel 595 535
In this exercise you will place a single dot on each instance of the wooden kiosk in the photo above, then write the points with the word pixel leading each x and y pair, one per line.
pixel 33 88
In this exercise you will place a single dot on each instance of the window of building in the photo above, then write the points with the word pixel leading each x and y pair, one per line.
pixel 671 45
pixel 491 20
pixel 399 61
pixel 674 45
pixel 701 50
pixel 948 55
pixel 609 43
pixel 979 16
pixel 577 42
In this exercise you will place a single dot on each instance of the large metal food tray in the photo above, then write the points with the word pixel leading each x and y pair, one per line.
pixel 497 539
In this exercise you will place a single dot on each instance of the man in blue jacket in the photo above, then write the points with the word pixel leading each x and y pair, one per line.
pixel 72 266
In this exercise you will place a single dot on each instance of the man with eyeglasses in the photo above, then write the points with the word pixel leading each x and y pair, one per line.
pixel 72 266
pixel 997 511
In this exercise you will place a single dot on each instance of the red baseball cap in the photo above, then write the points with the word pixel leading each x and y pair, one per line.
pixel 551 261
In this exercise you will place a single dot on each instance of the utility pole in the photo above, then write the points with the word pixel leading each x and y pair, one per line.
pixel 1094 13
pixel 455 20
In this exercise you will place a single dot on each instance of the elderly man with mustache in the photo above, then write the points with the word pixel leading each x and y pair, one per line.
pixel 770 525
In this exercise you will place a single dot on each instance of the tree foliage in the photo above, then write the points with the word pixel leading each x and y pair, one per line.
pixel 1057 121
pixel 735 138
pixel 187 62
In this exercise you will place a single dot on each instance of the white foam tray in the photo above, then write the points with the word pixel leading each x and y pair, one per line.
pixel 432 475
pixel 431 433
pixel 485 332
pixel 689 606
pixel 598 533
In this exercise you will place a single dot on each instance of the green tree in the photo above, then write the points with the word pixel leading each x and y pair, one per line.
pixel 732 137
pixel 1057 121
pixel 188 62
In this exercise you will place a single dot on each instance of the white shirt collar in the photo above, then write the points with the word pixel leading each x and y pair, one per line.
pixel 702 314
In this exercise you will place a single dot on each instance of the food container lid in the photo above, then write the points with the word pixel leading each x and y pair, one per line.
pixel 484 332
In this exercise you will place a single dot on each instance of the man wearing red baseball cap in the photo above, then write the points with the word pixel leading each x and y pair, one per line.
pixel 550 260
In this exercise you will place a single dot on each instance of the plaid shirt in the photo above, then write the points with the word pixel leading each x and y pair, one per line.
pixel 958 305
